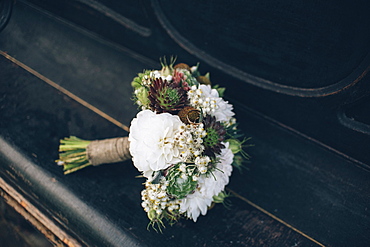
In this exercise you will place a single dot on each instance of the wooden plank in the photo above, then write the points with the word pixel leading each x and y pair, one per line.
pixel 113 191
pixel 315 191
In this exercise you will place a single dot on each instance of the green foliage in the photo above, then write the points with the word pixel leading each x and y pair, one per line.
pixel 220 90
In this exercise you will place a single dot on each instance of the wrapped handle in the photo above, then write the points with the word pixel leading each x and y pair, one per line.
pixel 108 151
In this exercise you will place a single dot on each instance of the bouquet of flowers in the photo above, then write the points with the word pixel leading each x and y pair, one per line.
pixel 184 141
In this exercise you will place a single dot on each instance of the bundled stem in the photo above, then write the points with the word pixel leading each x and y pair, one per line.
pixel 72 154
pixel 76 153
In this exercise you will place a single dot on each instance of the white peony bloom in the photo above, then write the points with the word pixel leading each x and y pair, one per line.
pixel 208 186
pixel 152 143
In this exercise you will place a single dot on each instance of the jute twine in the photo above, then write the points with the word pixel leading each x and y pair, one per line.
pixel 108 151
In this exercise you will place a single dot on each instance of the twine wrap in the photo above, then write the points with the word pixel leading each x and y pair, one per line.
pixel 108 151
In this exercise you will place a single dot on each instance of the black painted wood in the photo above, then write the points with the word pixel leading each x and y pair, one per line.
pixel 102 206
pixel 303 64
pixel 300 86
pixel 296 44
pixel 5 12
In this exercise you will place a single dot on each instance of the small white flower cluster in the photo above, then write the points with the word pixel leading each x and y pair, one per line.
pixel 146 80
pixel 206 99
pixel 189 141
pixel 200 102
pixel 154 197
pixel 202 163
pixel 185 172
pixel 156 74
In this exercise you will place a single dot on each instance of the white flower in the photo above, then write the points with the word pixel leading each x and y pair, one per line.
pixel 194 204
pixel 214 184
pixel 201 163
pixel 207 99
pixel 152 143
pixel 158 74
pixel 224 111
pixel 208 186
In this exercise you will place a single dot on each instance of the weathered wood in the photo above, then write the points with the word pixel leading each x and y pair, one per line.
pixel 310 163
pixel 17 231
pixel 110 194
pixel 303 64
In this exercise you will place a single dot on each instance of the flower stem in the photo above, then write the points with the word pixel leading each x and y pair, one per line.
pixel 72 154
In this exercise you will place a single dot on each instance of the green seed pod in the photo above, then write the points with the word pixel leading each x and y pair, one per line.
pixel 152 215
pixel 235 145
pixel 220 198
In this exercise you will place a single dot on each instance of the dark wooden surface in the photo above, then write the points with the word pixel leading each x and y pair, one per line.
pixel 300 89
pixel 303 64
pixel 101 206
pixel 16 231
